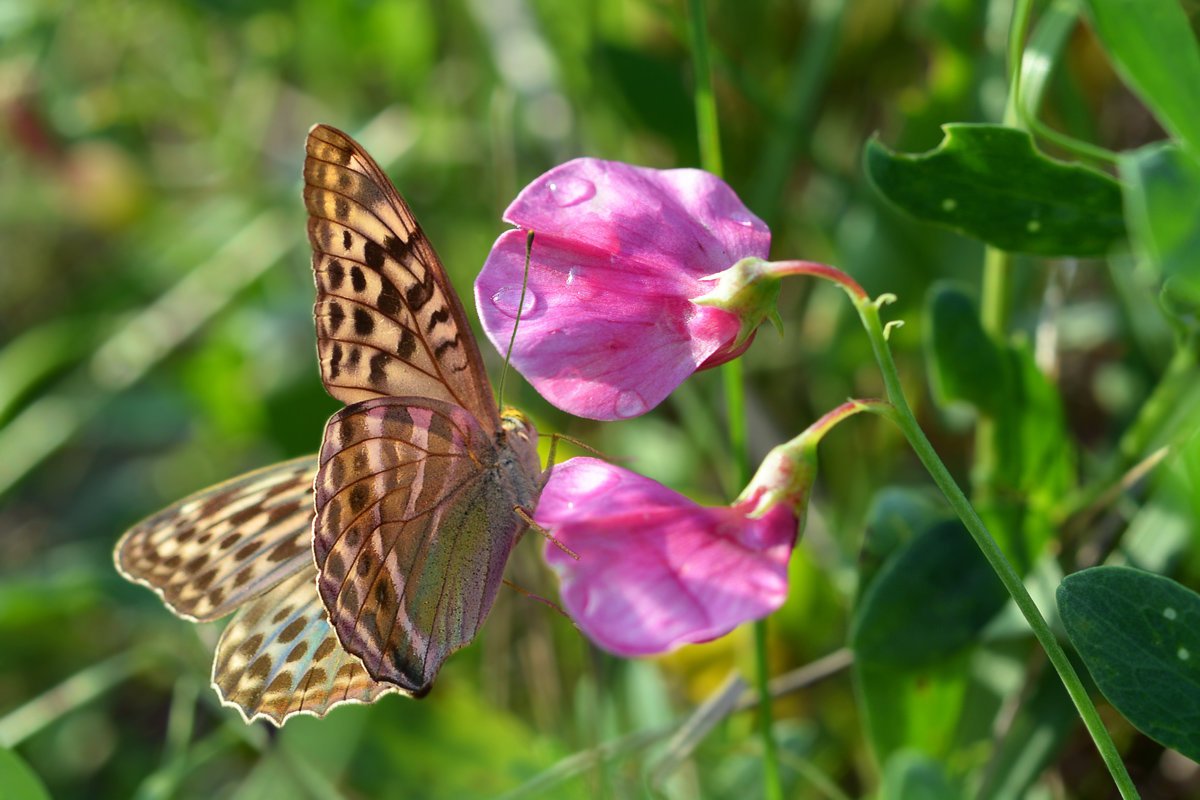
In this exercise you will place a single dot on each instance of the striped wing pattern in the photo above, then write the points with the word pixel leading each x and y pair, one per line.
pixel 213 551
pixel 414 525
pixel 388 322
pixel 279 657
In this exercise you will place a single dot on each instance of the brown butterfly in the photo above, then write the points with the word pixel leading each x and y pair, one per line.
pixel 422 486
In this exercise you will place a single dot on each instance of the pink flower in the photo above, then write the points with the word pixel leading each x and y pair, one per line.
pixel 655 570
pixel 609 327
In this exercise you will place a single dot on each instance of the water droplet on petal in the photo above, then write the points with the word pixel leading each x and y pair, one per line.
pixel 572 191
pixel 743 218
pixel 506 301
pixel 630 404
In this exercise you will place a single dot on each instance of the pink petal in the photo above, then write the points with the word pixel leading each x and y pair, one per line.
pixel 656 570
pixel 595 339
pixel 608 329
pixel 677 219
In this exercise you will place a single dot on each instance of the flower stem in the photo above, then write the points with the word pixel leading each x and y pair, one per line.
pixel 707 130
pixel 709 135
pixel 902 416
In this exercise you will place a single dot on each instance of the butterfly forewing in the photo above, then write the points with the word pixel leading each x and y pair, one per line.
pixel 213 551
pixel 388 321
pixel 415 521
pixel 279 657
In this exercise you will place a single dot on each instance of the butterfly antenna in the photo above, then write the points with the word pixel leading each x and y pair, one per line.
pixel 520 307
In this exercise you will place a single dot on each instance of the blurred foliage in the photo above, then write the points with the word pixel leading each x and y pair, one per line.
pixel 156 337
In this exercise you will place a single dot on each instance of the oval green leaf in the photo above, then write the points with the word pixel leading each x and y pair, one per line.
pixel 965 365
pixel 1139 635
pixel 990 183
pixel 929 601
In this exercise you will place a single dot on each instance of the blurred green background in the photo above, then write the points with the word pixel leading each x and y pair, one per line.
pixel 156 335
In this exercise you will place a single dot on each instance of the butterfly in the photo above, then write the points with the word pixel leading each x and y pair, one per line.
pixel 359 573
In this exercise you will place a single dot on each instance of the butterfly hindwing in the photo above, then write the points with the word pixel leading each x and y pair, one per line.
pixel 209 553
pixel 415 521
pixel 279 657
pixel 388 320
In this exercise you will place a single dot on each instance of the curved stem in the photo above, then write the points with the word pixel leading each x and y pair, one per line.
pixel 902 416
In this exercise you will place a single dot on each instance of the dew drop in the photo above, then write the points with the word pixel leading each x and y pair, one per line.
pixel 949 204
pixel 1170 613
pixel 1033 226
pixel 742 218
pixel 572 191
pixel 630 404
pixel 506 301
pixel 1183 654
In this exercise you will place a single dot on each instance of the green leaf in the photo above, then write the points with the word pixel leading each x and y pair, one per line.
pixel 928 602
pixel 912 636
pixel 1152 46
pixel 1139 634
pixel 913 708
pixel 965 366
pixel 1162 204
pixel 1033 463
pixel 910 775
pixel 17 780
pixel 897 515
pixel 990 183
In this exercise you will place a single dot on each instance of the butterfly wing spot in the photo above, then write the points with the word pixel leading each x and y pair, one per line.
pixel 360 495
pixel 292 630
pixel 297 652
pixel 289 550
pixel 379 374
pixel 335 272
pixel 347 240
pixel 364 324
pixel 247 550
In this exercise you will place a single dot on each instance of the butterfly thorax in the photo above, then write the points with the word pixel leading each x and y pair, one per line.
pixel 518 435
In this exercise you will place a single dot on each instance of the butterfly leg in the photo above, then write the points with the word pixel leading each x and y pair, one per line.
pixel 525 515
pixel 533 596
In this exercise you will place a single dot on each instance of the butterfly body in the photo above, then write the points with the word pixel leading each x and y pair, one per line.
pixel 359 574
